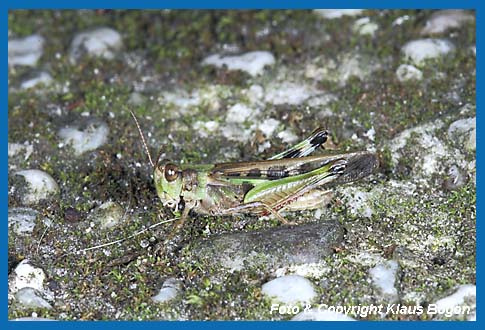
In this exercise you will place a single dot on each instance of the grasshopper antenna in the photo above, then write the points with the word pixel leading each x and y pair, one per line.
pixel 143 139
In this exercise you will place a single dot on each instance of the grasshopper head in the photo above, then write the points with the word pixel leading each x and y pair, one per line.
pixel 168 182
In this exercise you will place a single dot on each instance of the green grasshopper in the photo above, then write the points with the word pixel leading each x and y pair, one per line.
pixel 291 180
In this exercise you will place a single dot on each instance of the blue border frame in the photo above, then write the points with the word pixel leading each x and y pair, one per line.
pixel 239 4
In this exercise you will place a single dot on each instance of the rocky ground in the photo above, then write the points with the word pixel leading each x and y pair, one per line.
pixel 220 86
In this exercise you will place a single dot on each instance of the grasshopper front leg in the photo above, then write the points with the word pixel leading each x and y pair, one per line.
pixel 161 247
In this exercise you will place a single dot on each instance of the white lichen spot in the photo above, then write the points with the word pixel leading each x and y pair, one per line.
pixel 239 113
pixel 312 270
pixel 205 128
pixel 268 126
pixel 291 93
pixel 287 136
pixel 358 201
pixel 365 258
pixel 255 93
pixel 371 134
pixel 341 69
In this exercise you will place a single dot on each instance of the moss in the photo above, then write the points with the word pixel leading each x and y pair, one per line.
pixel 171 45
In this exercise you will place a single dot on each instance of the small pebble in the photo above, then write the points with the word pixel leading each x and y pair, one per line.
pixel 456 179
pixel 423 49
pixel 42 78
pixel 252 62
pixel 383 277
pixel 31 298
pixel 443 20
pixel 465 295
pixel 26 275
pixel 100 42
pixel 32 318
pixel 321 314
pixel 364 26
pixel 107 215
pixel 290 289
pixel 22 220
pixel 71 215
pixel 18 148
pixel 94 135
pixel 170 290
pixel 25 51
pixel 464 131
pixel 406 72
pixel 337 13
pixel 40 186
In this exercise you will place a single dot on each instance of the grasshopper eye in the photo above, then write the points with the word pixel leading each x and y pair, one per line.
pixel 171 172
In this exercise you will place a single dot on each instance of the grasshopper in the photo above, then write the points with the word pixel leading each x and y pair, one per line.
pixel 291 180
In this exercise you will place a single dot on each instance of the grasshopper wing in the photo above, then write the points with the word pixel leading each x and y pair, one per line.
pixel 305 147
pixel 280 192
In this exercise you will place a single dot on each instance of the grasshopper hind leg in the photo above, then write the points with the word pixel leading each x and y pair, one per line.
pixel 311 200
pixel 256 206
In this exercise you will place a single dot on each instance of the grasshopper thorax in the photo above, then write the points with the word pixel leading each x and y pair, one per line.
pixel 168 182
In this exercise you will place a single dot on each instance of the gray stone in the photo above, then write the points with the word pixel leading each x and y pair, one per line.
pixel 276 247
